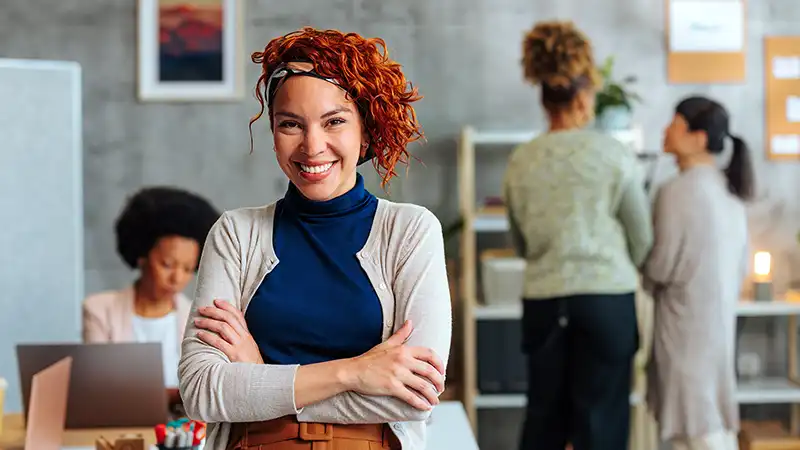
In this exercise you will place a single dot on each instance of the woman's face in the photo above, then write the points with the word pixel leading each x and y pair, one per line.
pixel 170 265
pixel 318 135
pixel 680 140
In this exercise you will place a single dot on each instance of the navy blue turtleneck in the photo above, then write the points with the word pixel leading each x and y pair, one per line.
pixel 317 304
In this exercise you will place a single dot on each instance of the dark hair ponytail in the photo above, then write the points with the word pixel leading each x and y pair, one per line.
pixel 740 170
pixel 704 114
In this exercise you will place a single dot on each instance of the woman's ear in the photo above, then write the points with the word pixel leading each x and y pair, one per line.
pixel 364 143
pixel 700 139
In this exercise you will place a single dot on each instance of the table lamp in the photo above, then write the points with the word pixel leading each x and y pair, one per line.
pixel 762 281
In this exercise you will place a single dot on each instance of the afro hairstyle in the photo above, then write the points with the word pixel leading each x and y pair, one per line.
pixel 157 212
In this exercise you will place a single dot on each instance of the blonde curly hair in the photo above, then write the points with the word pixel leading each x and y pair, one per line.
pixel 557 55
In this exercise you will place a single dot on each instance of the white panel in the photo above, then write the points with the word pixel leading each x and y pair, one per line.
pixel 41 208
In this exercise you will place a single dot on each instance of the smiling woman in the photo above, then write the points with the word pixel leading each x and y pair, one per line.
pixel 304 312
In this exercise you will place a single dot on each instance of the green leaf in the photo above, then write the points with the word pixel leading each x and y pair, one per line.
pixel 614 93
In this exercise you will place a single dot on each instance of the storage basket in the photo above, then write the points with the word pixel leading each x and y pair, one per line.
pixel 502 277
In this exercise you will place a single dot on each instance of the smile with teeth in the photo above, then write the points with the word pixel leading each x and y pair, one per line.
pixel 315 169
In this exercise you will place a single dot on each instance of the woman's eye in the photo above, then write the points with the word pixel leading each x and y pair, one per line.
pixel 336 121
pixel 288 124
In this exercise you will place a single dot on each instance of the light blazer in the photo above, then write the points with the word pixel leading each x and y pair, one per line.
pixel 108 316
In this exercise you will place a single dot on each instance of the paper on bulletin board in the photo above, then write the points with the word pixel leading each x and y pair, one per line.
pixel 706 26
pixel 786 67
pixel 786 144
pixel 793 109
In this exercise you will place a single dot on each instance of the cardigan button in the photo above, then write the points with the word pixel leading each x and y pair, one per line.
pixel 382 286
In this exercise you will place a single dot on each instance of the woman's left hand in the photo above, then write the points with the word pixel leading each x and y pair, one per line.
pixel 224 328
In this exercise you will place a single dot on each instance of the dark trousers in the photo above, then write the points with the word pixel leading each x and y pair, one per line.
pixel 580 360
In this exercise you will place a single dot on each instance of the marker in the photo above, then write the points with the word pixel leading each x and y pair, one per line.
pixel 199 433
pixel 171 439
pixel 161 433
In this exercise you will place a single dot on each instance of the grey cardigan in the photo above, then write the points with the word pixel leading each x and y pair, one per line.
pixel 404 260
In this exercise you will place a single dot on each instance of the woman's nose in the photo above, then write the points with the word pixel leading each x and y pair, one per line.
pixel 314 141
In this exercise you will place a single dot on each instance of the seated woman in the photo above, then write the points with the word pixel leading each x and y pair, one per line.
pixel 325 315
pixel 160 232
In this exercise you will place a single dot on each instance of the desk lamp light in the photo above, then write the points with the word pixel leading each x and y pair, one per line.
pixel 762 281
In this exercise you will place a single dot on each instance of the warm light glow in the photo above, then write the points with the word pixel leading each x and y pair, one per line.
pixel 762 263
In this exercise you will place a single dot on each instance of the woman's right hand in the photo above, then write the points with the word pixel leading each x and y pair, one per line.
pixel 412 374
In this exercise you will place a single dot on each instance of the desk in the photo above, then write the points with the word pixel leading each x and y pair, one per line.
pixel 13 436
pixel 448 429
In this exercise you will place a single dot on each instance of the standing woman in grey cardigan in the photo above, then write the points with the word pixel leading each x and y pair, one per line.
pixel 696 270
pixel 323 320
pixel 581 220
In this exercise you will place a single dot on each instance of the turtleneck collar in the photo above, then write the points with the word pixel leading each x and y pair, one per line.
pixel 353 200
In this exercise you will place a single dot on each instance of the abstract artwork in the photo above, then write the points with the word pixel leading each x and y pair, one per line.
pixel 190 50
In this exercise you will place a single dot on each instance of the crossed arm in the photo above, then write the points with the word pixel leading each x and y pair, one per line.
pixel 216 388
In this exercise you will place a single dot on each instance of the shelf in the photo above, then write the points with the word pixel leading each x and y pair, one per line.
pixel 491 401
pixel 755 392
pixel 632 137
pixel 490 223
pixel 498 312
pixel 502 137
pixel 768 390
pixel 498 401
pixel 750 308
pixel 747 308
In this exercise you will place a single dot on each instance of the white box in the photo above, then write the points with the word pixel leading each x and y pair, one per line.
pixel 503 279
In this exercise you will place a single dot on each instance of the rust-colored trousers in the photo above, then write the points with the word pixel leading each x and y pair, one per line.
pixel 288 434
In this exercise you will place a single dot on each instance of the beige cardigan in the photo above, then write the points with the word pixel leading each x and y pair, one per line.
pixel 108 316
pixel 404 260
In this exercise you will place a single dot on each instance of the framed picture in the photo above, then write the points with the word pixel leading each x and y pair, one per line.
pixel 190 50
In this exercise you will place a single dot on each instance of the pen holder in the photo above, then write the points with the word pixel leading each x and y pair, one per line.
pixel 163 447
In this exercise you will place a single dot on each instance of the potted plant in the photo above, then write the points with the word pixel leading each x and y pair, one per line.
pixel 614 101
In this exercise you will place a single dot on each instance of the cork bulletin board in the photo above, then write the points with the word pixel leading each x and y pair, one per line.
pixel 706 41
pixel 782 97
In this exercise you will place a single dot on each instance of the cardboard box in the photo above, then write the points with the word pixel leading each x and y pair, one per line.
pixel 766 436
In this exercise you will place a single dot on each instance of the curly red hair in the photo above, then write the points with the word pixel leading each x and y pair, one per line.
pixel 374 82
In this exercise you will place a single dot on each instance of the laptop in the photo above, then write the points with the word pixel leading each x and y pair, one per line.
pixel 111 385
pixel 48 407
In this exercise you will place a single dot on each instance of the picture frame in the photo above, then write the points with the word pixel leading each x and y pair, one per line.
pixel 190 50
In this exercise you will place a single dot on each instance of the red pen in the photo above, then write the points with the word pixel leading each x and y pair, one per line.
pixel 199 433
pixel 161 433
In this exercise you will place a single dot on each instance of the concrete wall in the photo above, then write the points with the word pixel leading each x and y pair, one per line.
pixel 464 56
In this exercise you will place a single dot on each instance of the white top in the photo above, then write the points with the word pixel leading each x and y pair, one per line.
pixel 163 330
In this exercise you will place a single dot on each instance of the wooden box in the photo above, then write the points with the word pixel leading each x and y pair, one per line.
pixel 766 436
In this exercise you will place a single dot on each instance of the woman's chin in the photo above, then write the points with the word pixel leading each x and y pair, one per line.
pixel 318 192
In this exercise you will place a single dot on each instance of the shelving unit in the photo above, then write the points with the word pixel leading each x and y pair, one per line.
pixel 477 222
pixel 756 391
pixel 759 391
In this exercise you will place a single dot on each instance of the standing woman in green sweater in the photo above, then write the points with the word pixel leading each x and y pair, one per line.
pixel 580 217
